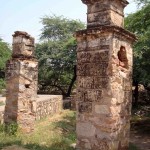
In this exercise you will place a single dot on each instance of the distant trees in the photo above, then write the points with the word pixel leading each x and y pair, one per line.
pixel 5 53
pixel 56 53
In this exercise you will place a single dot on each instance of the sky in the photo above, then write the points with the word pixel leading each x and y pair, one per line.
pixel 25 15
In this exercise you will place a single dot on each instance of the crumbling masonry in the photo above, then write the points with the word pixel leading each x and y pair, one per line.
pixel 104 78
pixel 21 83
pixel 23 105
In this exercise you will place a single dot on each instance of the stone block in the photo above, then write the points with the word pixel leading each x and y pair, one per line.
pixel 85 129
pixel 102 109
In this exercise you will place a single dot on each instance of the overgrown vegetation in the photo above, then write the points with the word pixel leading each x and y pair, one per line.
pixel 52 133
pixel 2 84
pixel 5 53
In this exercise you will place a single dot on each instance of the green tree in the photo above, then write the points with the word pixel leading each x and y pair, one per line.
pixel 142 2
pixel 5 53
pixel 139 23
pixel 57 54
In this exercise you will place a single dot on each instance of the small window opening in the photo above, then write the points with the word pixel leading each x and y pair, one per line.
pixel 122 56
pixel 27 85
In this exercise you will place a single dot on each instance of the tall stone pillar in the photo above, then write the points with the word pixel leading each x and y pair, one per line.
pixel 21 83
pixel 104 78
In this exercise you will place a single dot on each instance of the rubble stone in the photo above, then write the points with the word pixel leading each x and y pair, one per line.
pixel 22 103
pixel 104 75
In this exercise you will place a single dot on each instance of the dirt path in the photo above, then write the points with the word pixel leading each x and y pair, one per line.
pixel 141 141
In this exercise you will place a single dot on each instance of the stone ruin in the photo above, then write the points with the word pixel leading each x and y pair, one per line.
pixel 23 105
pixel 104 78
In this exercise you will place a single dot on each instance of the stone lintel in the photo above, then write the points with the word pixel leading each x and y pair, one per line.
pixel 104 29
pixel 123 2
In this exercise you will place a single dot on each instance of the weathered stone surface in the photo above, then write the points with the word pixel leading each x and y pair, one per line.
pixel 104 71
pixel 45 105
pixel 102 109
pixel 48 105
pixel 105 12
pixel 21 82
pixel 23 44
pixel 1 114
pixel 22 103
pixel 86 129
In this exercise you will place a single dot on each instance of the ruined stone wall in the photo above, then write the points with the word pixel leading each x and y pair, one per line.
pixel 48 105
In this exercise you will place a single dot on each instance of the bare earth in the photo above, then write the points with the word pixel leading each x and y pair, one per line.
pixel 141 141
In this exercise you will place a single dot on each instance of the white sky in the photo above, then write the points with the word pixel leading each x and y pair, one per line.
pixel 24 15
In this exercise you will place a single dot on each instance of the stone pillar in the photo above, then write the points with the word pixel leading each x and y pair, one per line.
pixel 104 78
pixel 21 83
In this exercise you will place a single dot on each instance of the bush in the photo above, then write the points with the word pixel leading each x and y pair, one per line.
pixel 11 129
pixel 2 84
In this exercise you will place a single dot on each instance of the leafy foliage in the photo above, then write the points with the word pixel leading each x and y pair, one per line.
pixel 139 23
pixel 4 56
pixel 57 54
pixel 142 2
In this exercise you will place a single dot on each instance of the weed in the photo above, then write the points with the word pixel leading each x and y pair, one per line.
pixel 11 129
pixel 1 103
pixel 52 133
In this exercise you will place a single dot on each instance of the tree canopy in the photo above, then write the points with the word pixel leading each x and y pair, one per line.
pixel 142 2
pixel 57 54
pixel 139 23
pixel 4 55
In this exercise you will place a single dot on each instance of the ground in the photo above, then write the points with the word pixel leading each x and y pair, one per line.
pixel 140 132
pixel 58 133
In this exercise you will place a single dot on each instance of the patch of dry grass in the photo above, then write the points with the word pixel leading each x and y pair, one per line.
pixel 51 133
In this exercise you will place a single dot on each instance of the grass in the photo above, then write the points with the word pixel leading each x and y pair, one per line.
pixel 1 103
pixel 51 133
pixel 133 147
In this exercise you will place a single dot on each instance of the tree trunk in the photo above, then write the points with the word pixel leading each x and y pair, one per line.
pixel 72 82
pixel 136 94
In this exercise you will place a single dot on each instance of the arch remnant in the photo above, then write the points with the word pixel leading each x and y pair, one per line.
pixel 104 78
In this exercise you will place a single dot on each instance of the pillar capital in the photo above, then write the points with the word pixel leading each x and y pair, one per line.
pixel 23 44
pixel 122 2
pixel 105 12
